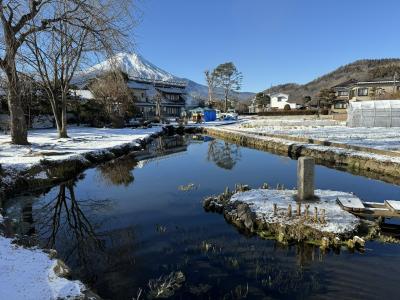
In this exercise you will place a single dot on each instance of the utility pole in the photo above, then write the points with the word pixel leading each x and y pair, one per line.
pixel 394 82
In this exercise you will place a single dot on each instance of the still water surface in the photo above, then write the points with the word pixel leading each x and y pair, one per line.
pixel 124 223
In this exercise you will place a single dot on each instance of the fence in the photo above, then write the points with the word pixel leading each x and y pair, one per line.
pixel 377 113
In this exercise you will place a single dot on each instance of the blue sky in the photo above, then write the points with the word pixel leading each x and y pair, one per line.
pixel 270 41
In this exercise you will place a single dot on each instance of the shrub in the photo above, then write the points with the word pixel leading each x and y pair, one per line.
pixel 288 113
pixel 286 107
pixel 325 111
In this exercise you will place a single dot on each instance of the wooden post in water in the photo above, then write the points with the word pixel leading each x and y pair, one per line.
pixel 298 211
pixel 305 178
pixel 289 212
pixel 275 209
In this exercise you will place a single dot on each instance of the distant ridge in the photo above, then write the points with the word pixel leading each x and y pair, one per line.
pixel 361 70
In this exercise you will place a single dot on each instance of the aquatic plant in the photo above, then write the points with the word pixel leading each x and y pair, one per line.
pixel 166 286
pixel 139 295
pixel 161 228
pixel 188 187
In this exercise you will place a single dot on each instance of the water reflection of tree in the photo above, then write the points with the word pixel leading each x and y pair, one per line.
pixel 66 213
pixel 119 171
pixel 223 154
pixel 73 227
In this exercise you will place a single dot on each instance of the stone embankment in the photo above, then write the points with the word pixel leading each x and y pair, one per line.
pixel 373 165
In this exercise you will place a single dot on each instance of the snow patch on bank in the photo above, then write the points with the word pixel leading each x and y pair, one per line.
pixel 29 274
pixel 381 138
pixel 321 148
pixel 261 203
pixel 46 146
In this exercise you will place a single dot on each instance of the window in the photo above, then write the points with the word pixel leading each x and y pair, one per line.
pixel 362 92
pixel 340 105
pixel 343 93
pixel 280 99
pixel 172 97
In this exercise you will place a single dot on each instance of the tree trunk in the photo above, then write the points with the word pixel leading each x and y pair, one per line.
pixel 56 112
pixel 62 132
pixel 226 102
pixel 18 129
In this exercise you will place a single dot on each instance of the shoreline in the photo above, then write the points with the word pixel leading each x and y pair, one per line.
pixel 361 163
pixel 57 171
pixel 47 173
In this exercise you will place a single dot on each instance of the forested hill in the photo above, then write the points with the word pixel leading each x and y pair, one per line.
pixel 366 69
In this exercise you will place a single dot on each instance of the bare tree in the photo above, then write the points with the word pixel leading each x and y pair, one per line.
pixel 21 20
pixel 57 54
pixel 113 93
pixel 56 63
pixel 210 79
pixel 228 78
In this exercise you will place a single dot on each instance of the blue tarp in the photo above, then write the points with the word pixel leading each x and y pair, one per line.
pixel 210 115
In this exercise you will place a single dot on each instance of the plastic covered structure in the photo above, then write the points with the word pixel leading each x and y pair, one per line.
pixel 377 113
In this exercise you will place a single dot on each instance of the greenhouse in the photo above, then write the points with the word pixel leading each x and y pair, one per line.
pixel 377 113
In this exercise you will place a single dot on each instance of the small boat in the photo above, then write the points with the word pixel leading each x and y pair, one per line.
pixel 387 209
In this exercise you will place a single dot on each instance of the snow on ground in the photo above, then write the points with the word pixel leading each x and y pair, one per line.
pixel 44 144
pixel 29 274
pixel 261 203
pixel 321 148
pixel 212 123
pixel 324 130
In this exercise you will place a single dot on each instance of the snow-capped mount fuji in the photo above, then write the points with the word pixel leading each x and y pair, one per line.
pixel 137 67
pixel 134 65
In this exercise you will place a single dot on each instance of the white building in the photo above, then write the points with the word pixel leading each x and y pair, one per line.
pixel 280 100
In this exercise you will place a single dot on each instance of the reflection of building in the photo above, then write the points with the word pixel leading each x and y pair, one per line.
pixel 161 148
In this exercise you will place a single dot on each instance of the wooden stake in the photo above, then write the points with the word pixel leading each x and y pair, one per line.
pixel 289 210
pixel 306 211
pixel 275 209
pixel 323 221
pixel 226 191
pixel 315 214
pixel 298 209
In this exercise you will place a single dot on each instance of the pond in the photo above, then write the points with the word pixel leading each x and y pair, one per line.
pixel 125 224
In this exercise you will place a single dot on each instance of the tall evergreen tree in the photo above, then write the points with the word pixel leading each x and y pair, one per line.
pixel 229 79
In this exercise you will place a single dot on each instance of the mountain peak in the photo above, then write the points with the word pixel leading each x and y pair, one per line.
pixel 134 65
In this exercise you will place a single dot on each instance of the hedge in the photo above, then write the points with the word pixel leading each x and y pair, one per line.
pixel 291 112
